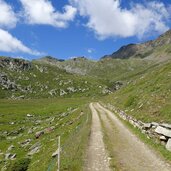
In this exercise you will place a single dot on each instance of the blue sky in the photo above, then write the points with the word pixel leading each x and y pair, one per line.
pixel 64 29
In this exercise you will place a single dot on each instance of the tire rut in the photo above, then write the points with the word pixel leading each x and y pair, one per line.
pixel 97 158
pixel 130 154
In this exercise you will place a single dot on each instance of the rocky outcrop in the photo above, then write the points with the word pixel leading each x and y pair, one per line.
pixel 6 83
pixel 143 50
pixel 160 132
pixel 15 64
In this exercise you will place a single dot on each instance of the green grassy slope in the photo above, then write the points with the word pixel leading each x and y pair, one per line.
pixel 66 118
pixel 148 96
pixel 42 81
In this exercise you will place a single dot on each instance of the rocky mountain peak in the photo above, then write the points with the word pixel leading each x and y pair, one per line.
pixel 160 47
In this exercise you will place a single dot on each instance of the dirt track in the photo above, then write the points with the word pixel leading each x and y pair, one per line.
pixel 130 154
pixel 97 159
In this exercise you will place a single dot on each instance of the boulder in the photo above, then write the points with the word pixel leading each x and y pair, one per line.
pixel 163 131
pixel 168 145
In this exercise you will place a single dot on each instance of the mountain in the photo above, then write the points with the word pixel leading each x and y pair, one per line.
pixel 52 77
pixel 159 49
pixel 47 97
pixel 29 79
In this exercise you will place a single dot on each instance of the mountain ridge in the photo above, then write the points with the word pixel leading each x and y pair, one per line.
pixel 146 49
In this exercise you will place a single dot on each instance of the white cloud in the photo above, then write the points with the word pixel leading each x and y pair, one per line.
pixel 43 12
pixel 108 19
pixel 7 16
pixel 90 50
pixel 8 43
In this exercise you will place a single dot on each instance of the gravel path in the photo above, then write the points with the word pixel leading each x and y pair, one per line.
pixel 97 158
pixel 130 154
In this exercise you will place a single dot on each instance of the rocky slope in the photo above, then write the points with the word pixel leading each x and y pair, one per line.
pixel 51 77
pixel 154 49
pixel 24 79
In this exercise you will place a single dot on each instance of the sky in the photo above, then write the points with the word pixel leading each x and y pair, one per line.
pixel 31 29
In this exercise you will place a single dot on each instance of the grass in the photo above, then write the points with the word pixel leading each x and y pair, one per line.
pixel 65 115
pixel 98 75
pixel 147 97
pixel 40 83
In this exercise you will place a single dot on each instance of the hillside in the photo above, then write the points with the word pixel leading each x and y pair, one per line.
pixel 49 77
pixel 159 49
pixel 48 97
pixel 148 97
pixel 24 79
pixel 52 77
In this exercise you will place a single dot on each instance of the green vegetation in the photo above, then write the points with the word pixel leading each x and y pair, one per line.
pixel 148 96
pixel 44 81
pixel 47 96
pixel 69 118
pixel 20 165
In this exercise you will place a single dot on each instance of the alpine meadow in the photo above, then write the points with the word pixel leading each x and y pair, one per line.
pixel 85 110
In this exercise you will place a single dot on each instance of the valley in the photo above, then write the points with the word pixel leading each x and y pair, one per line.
pixel 49 97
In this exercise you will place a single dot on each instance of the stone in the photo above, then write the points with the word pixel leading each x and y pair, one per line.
pixel 147 125
pixel 29 115
pixel 25 143
pixel 163 138
pixel 10 148
pixel 163 131
pixel 30 131
pixel 154 127
pixel 168 145
pixel 12 123
pixel 52 92
pixel 34 149
pixel 10 156
pixel 7 155
pixel 166 125
pixel 13 156
pixel 39 134
pixel 55 153
pixel 49 130
pixel 154 124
